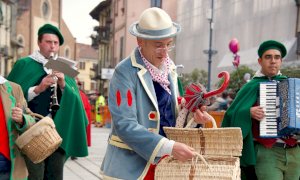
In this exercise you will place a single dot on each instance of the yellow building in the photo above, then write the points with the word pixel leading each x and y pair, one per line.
pixel 87 58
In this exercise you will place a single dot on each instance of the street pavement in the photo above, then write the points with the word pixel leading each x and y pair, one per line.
pixel 88 168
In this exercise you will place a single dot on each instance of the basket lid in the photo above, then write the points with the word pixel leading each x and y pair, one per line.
pixel 209 141
pixel 37 129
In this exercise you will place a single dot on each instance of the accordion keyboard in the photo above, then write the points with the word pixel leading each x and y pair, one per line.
pixel 269 102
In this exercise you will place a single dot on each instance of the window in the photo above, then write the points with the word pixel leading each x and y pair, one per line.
pixel 45 9
pixel 67 52
pixel 21 44
pixel 20 40
pixel 116 8
pixel 123 8
pixel 121 47
pixel 82 65
pixel 82 85
pixel 93 86
pixel 156 3
pixel 1 13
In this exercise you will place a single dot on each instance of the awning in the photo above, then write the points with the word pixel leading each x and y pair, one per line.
pixel 249 57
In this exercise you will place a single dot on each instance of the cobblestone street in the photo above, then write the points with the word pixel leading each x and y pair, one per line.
pixel 89 167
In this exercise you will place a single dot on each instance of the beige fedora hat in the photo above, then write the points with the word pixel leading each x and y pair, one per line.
pixel 154 23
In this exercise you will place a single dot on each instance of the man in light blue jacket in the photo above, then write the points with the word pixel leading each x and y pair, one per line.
pixel 143 99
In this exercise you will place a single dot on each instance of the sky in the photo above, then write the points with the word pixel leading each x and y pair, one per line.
pixel 76 14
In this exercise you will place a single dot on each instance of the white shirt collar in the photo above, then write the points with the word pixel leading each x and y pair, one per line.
pixel 260 74
pixel 38 57
pixel 2 80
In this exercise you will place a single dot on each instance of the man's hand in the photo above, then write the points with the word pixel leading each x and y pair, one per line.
pixel 201 116
pixel 50 80
pixel 17 114
pixel 46 82
pixel 61 79
pixel 257 113
pixel 182 152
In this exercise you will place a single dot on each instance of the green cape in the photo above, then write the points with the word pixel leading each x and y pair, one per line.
pixel 180 88
pixel 70 119
pixel 238 115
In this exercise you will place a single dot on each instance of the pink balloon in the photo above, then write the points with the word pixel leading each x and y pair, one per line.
pixel 234 46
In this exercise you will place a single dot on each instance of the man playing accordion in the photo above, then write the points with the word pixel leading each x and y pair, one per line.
pixel 272 158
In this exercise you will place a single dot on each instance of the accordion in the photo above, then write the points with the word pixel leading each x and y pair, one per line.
pixel 281 104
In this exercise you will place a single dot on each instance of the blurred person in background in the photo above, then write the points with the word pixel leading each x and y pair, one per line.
pixel 100 103
pixel 87 108
pixel 220 104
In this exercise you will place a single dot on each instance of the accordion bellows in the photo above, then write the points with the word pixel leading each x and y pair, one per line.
pixel 281 103
pixel 39 141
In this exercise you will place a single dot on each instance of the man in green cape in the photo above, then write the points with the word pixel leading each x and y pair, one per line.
pixel 37 84
pixel 272 158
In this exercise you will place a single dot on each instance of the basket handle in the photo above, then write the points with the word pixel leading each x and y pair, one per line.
pixel 28 111
pixel 212 119
pixel 193 165
pixel 197 156
pixel 37 115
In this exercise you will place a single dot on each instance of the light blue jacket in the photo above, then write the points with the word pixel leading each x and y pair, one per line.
pixel 134 140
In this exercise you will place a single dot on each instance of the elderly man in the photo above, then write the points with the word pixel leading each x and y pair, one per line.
pixel 143 99
pixel 273 158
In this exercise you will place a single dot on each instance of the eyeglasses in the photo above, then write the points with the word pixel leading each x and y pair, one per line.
pixel 167 48
pixel 270 57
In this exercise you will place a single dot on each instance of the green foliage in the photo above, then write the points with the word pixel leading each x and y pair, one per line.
pixel 236 77
pixel 196 76
pixel 293 72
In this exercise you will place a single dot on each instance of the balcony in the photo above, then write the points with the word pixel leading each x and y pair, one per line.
pixel 101 36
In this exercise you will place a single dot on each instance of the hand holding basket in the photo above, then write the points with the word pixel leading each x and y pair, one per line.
pixel 40 140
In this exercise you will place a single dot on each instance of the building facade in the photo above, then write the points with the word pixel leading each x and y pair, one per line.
pixel 35 13
pixel 19 24
pixel 9 47
pixel 113 39
pixel 126 12
pixel 87 58
pixel 250 21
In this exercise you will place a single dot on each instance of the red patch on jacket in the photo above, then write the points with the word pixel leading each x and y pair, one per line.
pixel 118 95
pixel 152 115
pixel 129 98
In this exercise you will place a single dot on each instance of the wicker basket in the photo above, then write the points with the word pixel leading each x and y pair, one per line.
pixel 219 168
pixel 39 141
pixel 209 141
pixel 220 147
